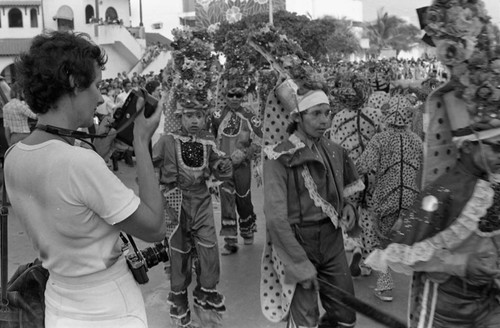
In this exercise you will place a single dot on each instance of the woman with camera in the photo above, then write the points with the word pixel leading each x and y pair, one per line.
pixel 71 205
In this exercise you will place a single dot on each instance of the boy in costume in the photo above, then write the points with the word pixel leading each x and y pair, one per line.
pixel 238 133
pixel 395 155
pixel 187 157
pixel 352 128
pixel 306 178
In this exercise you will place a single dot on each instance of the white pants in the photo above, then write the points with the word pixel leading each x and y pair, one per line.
pixel 106 299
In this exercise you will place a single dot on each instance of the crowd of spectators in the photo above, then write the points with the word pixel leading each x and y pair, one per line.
pixel 152 51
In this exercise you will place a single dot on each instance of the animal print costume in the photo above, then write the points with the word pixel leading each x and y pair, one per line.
pixel 396 157
pixel 352 128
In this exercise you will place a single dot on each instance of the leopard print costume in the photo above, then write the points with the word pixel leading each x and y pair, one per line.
pixel 396 155
pixel 353 129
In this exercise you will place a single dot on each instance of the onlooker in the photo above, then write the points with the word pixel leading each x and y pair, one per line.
pixel 107 108
pixel 121 97
pixel 72 206
pixel 15 116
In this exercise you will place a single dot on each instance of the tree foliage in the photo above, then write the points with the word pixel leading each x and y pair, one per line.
pixel 389 31
pixel 321 38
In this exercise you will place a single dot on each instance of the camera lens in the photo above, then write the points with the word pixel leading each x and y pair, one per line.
pixel 154 255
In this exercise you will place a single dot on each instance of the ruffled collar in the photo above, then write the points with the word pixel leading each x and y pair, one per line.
pixel 401 257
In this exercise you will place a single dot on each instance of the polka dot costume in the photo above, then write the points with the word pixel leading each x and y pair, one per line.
pixel 276 120
pixel 440 151
pixel 275 295
pixel 353 129
pixel 172 121
pixel 377 99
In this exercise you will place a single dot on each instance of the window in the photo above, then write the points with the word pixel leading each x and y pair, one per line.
pixel 34 17
pixel 15 18
pixel 111 15
pixel 89 14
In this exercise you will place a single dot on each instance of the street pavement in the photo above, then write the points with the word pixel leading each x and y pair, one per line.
pixel 239 281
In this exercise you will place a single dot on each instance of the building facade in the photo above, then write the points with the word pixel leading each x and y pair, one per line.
pixel 105 21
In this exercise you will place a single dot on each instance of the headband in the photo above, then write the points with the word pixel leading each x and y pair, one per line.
pixel 311 99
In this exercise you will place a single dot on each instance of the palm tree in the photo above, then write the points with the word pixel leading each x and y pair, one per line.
pixel 389 31
pixel 342 42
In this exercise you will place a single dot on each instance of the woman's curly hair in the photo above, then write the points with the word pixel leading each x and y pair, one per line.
pixel 45 69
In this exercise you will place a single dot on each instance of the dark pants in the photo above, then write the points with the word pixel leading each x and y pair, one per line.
pixel 462 305
pixel 235 195
pixel 324 246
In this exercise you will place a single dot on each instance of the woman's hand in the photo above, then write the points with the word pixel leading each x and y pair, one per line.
pixel 144 128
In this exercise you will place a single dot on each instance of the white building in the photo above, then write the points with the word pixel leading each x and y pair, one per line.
pixel 106 21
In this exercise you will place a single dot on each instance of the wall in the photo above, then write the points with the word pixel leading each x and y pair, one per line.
pixel 26 31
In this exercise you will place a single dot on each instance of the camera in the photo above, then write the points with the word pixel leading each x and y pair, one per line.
pixel 147 258
pixel 124 113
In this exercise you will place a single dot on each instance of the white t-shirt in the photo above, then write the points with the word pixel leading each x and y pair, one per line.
pixel 68 200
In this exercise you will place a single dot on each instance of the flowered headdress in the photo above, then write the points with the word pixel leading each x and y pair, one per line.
pixel 194 63
pixel 351 90
pixel 239 70
pixel 468 106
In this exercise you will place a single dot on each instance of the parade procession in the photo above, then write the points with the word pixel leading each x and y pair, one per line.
pixel 250 164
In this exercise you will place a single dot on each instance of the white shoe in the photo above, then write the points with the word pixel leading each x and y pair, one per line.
pixel 349 244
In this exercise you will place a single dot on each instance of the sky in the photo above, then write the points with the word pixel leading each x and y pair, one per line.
pixel 168 11
pixel 406 9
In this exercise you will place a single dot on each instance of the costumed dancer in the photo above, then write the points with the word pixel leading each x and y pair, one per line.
pixel 395 156
pixel 352 128
pixel 237 130
pixel 306 179
pixel 450 240
pixel 187 157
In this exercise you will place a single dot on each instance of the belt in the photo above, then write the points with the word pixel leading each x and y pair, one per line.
pixel 306 224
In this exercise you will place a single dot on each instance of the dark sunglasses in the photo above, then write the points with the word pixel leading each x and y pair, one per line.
pixel 235 95
pixel 494 146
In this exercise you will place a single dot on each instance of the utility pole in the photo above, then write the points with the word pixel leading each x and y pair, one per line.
pixel 140 12
pixel 271 12
pixel 96 26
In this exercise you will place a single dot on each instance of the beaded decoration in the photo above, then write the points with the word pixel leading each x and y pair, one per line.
pixel 192 153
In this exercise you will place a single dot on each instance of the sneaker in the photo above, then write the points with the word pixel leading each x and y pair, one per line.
pixel 384 295
pixel 354 266
pixel 248 240
pixel 229 249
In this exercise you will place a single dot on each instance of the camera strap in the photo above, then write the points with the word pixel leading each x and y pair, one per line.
pixel 131 241
pixel 84 135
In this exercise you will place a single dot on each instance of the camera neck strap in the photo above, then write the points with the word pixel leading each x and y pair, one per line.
pixel 80 135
